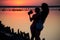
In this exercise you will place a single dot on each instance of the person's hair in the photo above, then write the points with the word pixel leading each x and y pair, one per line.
pixel 45 7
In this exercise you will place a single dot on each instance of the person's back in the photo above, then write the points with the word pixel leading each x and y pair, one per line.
pixel 44 13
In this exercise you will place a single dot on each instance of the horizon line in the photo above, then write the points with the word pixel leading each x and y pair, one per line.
pixel 28 6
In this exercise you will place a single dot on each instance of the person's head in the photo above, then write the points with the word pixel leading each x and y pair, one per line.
pixel 44 7
pixel 37 10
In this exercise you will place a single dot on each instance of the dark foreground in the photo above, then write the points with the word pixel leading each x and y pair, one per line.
pixel 8 34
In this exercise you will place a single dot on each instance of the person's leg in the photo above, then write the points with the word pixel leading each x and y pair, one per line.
pixel 37 36
pixel 32 37
pixel 32 34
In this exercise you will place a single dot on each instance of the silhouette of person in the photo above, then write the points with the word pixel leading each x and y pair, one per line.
pixel 34 18
pixel 45 12
pixel 43 15
pixel 38 20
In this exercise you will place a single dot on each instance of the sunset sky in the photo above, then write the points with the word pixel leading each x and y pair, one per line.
pixel 28 2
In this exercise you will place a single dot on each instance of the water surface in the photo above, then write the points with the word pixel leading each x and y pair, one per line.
pixel 20 20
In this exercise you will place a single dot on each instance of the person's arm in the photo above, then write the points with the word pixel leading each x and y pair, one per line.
pixel 30 18
pixel 30 12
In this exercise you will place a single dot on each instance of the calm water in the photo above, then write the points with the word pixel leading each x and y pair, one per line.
pixel 20 20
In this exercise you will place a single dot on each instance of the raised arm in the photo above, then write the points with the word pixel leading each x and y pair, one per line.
pixel 30 18
pixel 30 12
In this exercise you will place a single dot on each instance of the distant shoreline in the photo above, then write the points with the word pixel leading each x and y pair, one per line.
pixel 27 6
pixel 24 8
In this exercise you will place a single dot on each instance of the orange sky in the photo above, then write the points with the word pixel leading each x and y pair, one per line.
pixel 28 2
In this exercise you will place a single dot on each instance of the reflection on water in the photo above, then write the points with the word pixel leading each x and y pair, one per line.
pixel 20 20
